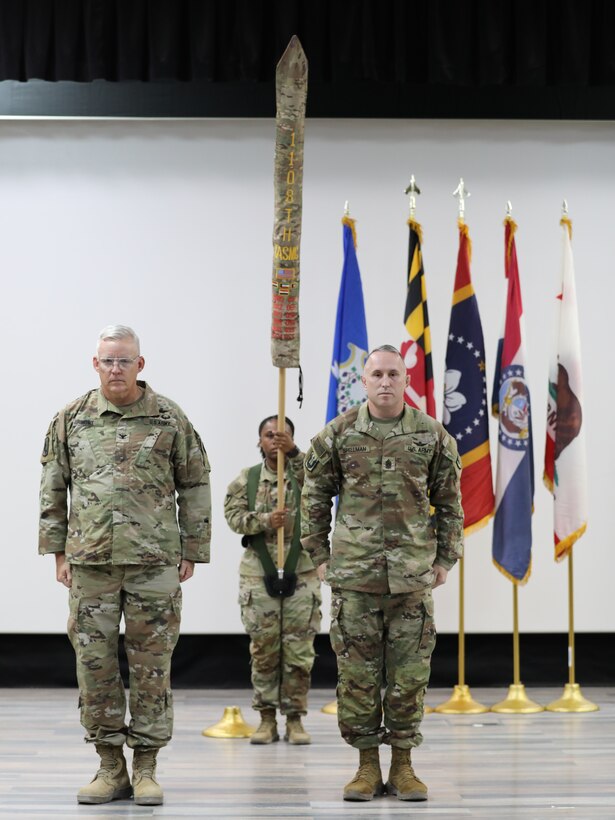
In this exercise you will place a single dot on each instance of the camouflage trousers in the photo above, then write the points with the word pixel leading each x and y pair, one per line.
pixel 282 632
pixel 149 598
pixel 381 641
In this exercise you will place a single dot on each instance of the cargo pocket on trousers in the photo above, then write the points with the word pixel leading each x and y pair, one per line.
pixel 316 615
pixel 73 617
pixel 428 632
pixel 246 605
pixel 336 634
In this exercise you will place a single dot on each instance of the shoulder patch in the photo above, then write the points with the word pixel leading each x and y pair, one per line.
pixel 311 461
pixel 321 448
pixel 48 453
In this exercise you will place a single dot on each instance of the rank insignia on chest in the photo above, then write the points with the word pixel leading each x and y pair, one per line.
pixel 388 463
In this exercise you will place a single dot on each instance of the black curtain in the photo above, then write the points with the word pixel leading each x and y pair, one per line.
pixel 366 56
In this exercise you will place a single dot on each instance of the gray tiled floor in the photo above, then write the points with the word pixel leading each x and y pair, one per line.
pixel 489 766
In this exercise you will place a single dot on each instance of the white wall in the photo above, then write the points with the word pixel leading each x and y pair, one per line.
pixel 166 226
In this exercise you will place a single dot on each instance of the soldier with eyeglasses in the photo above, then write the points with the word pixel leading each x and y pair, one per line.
pixel 137 522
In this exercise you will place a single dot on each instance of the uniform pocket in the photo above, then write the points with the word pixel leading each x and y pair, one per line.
pixel 316 615
pixel 176 603
pixel 246 604
pixel 428 632
pixel 93 620
pixel 336 634
pixel 157 444
pixel 152 620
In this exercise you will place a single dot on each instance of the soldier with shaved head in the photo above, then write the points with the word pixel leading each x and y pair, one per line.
pixel 388 463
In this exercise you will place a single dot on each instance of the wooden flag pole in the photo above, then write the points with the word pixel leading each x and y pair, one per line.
pixel 291 93
pixel 281 464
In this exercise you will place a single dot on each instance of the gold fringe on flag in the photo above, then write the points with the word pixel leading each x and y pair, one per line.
pixel 349 222
pixel 512 578
pixel 513 228
pixel 565 220
pixel 466 232
pixel 416 227
pixel 477 525
pixel 564 546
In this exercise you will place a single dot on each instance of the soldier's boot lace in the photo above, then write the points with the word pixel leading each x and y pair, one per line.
pixel 295 733
pixel 146 788
pixel 402 780
pixel 367 782
pixel 267 731
pixel 111 781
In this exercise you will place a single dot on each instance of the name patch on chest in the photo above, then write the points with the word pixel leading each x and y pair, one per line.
pixel 388 463
pixel 358 448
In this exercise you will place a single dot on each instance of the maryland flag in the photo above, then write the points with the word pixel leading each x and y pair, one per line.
pixel 565 466
pixel 466 414
pixel 514 485
pixel 416 351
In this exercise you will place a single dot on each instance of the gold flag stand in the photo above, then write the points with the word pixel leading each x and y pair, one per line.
pixel 330 708
pixel 572 699
pixel 461 701
pixel 517 701
pixel 231 725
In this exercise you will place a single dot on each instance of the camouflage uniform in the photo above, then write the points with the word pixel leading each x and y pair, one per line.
pixel 281 630
pixel 124 468
pixel 381 561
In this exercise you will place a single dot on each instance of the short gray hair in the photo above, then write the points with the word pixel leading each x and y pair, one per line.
pixel 116 332
pixel 384 349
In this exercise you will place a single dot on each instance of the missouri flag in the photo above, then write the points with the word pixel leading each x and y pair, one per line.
pixel 466 413
pixel 416 351
pixel 514 486
pixel 565 471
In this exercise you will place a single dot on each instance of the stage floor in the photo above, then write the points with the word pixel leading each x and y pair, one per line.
pixel 490 766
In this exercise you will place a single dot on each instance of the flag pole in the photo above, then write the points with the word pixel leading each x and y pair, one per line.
pixel 517 701
pixel 291 93
pixel 461 701
pixel 281 465
pixel 572 699
pixel 412 191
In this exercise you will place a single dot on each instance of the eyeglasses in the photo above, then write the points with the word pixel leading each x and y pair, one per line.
pixel 123 364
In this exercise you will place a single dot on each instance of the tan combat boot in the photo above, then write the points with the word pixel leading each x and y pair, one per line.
pixel 146 788
pixel 267 732
pixel 295 733
pixel 402 780
pixel 111 781
pixel 367 782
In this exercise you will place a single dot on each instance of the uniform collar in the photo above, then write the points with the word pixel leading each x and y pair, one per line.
pixel 147 405
pixel 270 475
pixel 408 423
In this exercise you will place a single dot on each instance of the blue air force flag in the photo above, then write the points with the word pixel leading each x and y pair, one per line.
pixel 350 340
